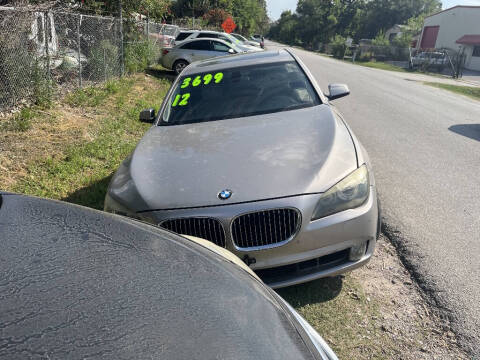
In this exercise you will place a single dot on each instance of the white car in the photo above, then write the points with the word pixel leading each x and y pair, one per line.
pixel 166 35
pixel 180 56
pixel 429 60
pixel 197 34
pixel 244 40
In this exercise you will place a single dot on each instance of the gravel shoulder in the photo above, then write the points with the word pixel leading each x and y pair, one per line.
pixel 376 312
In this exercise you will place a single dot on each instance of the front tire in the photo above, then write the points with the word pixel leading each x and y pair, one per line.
pixel 179 65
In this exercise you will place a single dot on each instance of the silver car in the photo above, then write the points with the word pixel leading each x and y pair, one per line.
pixel 247 152
pixel 244 40
pixel 198 34
pixel 180 56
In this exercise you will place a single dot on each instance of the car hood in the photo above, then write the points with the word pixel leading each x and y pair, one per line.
pixel 260 157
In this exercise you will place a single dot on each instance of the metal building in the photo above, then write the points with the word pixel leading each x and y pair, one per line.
pixel 456 28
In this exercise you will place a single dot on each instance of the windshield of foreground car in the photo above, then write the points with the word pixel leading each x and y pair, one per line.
pixel 239 92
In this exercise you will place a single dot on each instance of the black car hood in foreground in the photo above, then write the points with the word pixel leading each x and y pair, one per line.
pixel 260 157
pixel 78 283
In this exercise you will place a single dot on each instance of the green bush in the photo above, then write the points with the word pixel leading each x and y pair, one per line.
pixel 139 56
pixel 43 87
pixel 338 46
pixel 104 61
pixel 381 40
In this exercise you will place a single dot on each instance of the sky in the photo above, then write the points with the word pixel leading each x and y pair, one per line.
pixel 276 7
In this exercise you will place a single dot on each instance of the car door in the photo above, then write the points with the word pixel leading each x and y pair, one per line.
pixel 198 50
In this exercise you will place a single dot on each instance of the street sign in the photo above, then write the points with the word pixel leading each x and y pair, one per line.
pixel 229 25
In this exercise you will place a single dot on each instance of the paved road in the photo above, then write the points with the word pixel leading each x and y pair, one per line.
pixel 424 144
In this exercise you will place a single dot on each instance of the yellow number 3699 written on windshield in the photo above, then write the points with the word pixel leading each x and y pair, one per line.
pixel 205 80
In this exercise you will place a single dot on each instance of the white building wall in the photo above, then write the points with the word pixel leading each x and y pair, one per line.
pixel 454 23
pixel 473 62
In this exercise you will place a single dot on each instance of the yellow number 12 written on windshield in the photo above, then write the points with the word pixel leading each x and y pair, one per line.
pixel 181 100
pixel 207 79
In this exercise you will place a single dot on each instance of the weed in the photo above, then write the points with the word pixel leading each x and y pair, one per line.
pixel 43 87
pixel 20 122
pixel 139 55
pixel 81 172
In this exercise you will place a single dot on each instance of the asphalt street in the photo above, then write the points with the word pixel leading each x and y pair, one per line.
pixel 424 144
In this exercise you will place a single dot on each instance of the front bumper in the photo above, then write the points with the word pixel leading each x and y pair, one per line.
pixel 316 251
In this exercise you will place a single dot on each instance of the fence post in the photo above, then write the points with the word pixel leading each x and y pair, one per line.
pixel 122 55
pixel 47 50
pixel 79 51
pixel 105 64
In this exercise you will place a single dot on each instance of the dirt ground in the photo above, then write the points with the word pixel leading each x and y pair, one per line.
pixel 418 332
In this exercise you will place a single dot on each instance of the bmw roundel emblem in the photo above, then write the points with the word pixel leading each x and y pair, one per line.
pixel 225 194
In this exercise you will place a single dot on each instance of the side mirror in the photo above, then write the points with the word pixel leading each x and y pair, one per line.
pixel 337 91
pixel 147 116
pixel 231 51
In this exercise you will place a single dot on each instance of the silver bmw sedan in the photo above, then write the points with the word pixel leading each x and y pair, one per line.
pixel 247 152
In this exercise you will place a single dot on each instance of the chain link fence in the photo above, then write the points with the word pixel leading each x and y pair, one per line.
pixel 445 61
pixel 46 52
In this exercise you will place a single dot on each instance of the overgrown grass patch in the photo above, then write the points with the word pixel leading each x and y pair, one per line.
pixel 96 95
pixel 381 65
pixel 470 91
pixel 81 171
pixel 19 122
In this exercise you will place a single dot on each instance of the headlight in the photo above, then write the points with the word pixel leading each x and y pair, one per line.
pixel 349 193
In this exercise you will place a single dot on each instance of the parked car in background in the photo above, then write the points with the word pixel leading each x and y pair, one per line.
pixel 247 152
pixel 166 35
pixel 183 35
pixel 244 40
pixel 218 35
pixel 260 39
pixel 437 60
pixel 180 56
pixel 80 283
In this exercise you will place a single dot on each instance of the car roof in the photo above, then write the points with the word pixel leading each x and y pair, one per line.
pixel 85 282
pixel 244 59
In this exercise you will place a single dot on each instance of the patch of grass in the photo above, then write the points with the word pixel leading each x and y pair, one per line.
pixel 96 95
pixel 340 311
pixel 381 65
pixel 81 172
pixel 470 91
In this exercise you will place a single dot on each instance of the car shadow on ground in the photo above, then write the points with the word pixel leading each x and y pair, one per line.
pixel 317 291
pixel 92 195
pixel 471 131
pixel 161 73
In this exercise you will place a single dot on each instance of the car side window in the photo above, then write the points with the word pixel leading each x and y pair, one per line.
pixel 218 46
pixel 197 45
pixel 182 36
pixel 207 35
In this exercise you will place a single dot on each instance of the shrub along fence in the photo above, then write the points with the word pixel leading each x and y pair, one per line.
pixel 44 52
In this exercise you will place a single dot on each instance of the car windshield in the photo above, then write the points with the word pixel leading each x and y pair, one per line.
pixel 239 92
pixel 240 37
pixel 232 38
pixel 169 30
